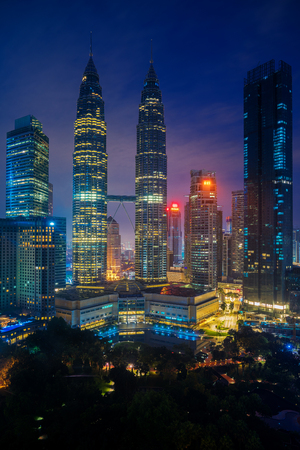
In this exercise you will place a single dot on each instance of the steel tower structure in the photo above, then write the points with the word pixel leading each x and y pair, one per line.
pixel 90 182
pixel 151 184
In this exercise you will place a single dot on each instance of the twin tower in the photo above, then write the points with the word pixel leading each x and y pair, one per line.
pixel 90 183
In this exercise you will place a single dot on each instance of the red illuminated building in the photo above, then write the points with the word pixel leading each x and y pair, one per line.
pixel 174 232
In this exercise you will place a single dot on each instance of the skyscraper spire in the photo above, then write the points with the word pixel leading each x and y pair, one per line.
pixel 91 43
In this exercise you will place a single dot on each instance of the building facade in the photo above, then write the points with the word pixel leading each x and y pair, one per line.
pixel 151 184
pixel 32 263
pixel 90 182
pixel 219 243
pixel 50 200
pixel 237 248
pixel 203 229
pixel 267 185
pixel 113 250
pixel 174 232
pixel 187 240
pixel 27 169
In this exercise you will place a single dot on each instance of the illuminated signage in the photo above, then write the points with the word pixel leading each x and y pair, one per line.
pixel 174 207
pixel 206 182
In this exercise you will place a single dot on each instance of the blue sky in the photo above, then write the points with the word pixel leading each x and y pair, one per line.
pixel 201 51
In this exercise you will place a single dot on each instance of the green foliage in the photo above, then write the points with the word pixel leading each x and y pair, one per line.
pixel 178 408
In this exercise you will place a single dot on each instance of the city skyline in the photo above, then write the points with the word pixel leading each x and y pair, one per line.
pixel 204 119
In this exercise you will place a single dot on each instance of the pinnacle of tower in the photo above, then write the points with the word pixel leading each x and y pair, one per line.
pixel 151 77
pixel 90 67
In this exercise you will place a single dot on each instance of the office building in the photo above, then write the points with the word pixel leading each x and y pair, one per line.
pixel 237 234
pixel 203 229
pixel 90 182
pixel 151 184
pixel 27 256
pixel 27 169
pixel 174 232
pixel 267 185
pixel 113 250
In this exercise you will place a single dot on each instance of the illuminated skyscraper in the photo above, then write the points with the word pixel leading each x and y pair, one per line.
pixel 268 185
pixel 203 229
pixel 174 232
pixel 113 250
pixel 151 184
pixel 27 169
pixel 237 244
pixel 89 182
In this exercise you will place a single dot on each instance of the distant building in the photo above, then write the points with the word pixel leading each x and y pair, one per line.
pixel 187 240
pixel 27 169
pixel 228 228
pixel 237 233
pixel 296 246
pixel 151 185
pixel 203 229
pixel 174 232
pixel 268 183
pixel 50 201
pixel 219 244
pixel 227 257
pixel 113 250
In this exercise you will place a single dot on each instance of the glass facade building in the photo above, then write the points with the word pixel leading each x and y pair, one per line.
pixel 237 208
pixel 90 182
pixel 203 229
pixel 267 185
pixel 27 169
pixel 151 184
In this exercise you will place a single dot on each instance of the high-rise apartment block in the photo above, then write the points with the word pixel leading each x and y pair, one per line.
pixel 203 229
pixel 268 185
pixel 151 184
pixel 237 260
pixel 90 182
pixel 174 232
pixel 113 250
pixel 27 169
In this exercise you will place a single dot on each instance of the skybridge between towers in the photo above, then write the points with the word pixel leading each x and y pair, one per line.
pixel 121 199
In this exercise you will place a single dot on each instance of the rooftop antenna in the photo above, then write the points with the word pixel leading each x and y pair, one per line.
pixel 151 60
pixel 91 43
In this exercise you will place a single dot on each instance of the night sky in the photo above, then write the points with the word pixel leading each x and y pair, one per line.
pixel 201 50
